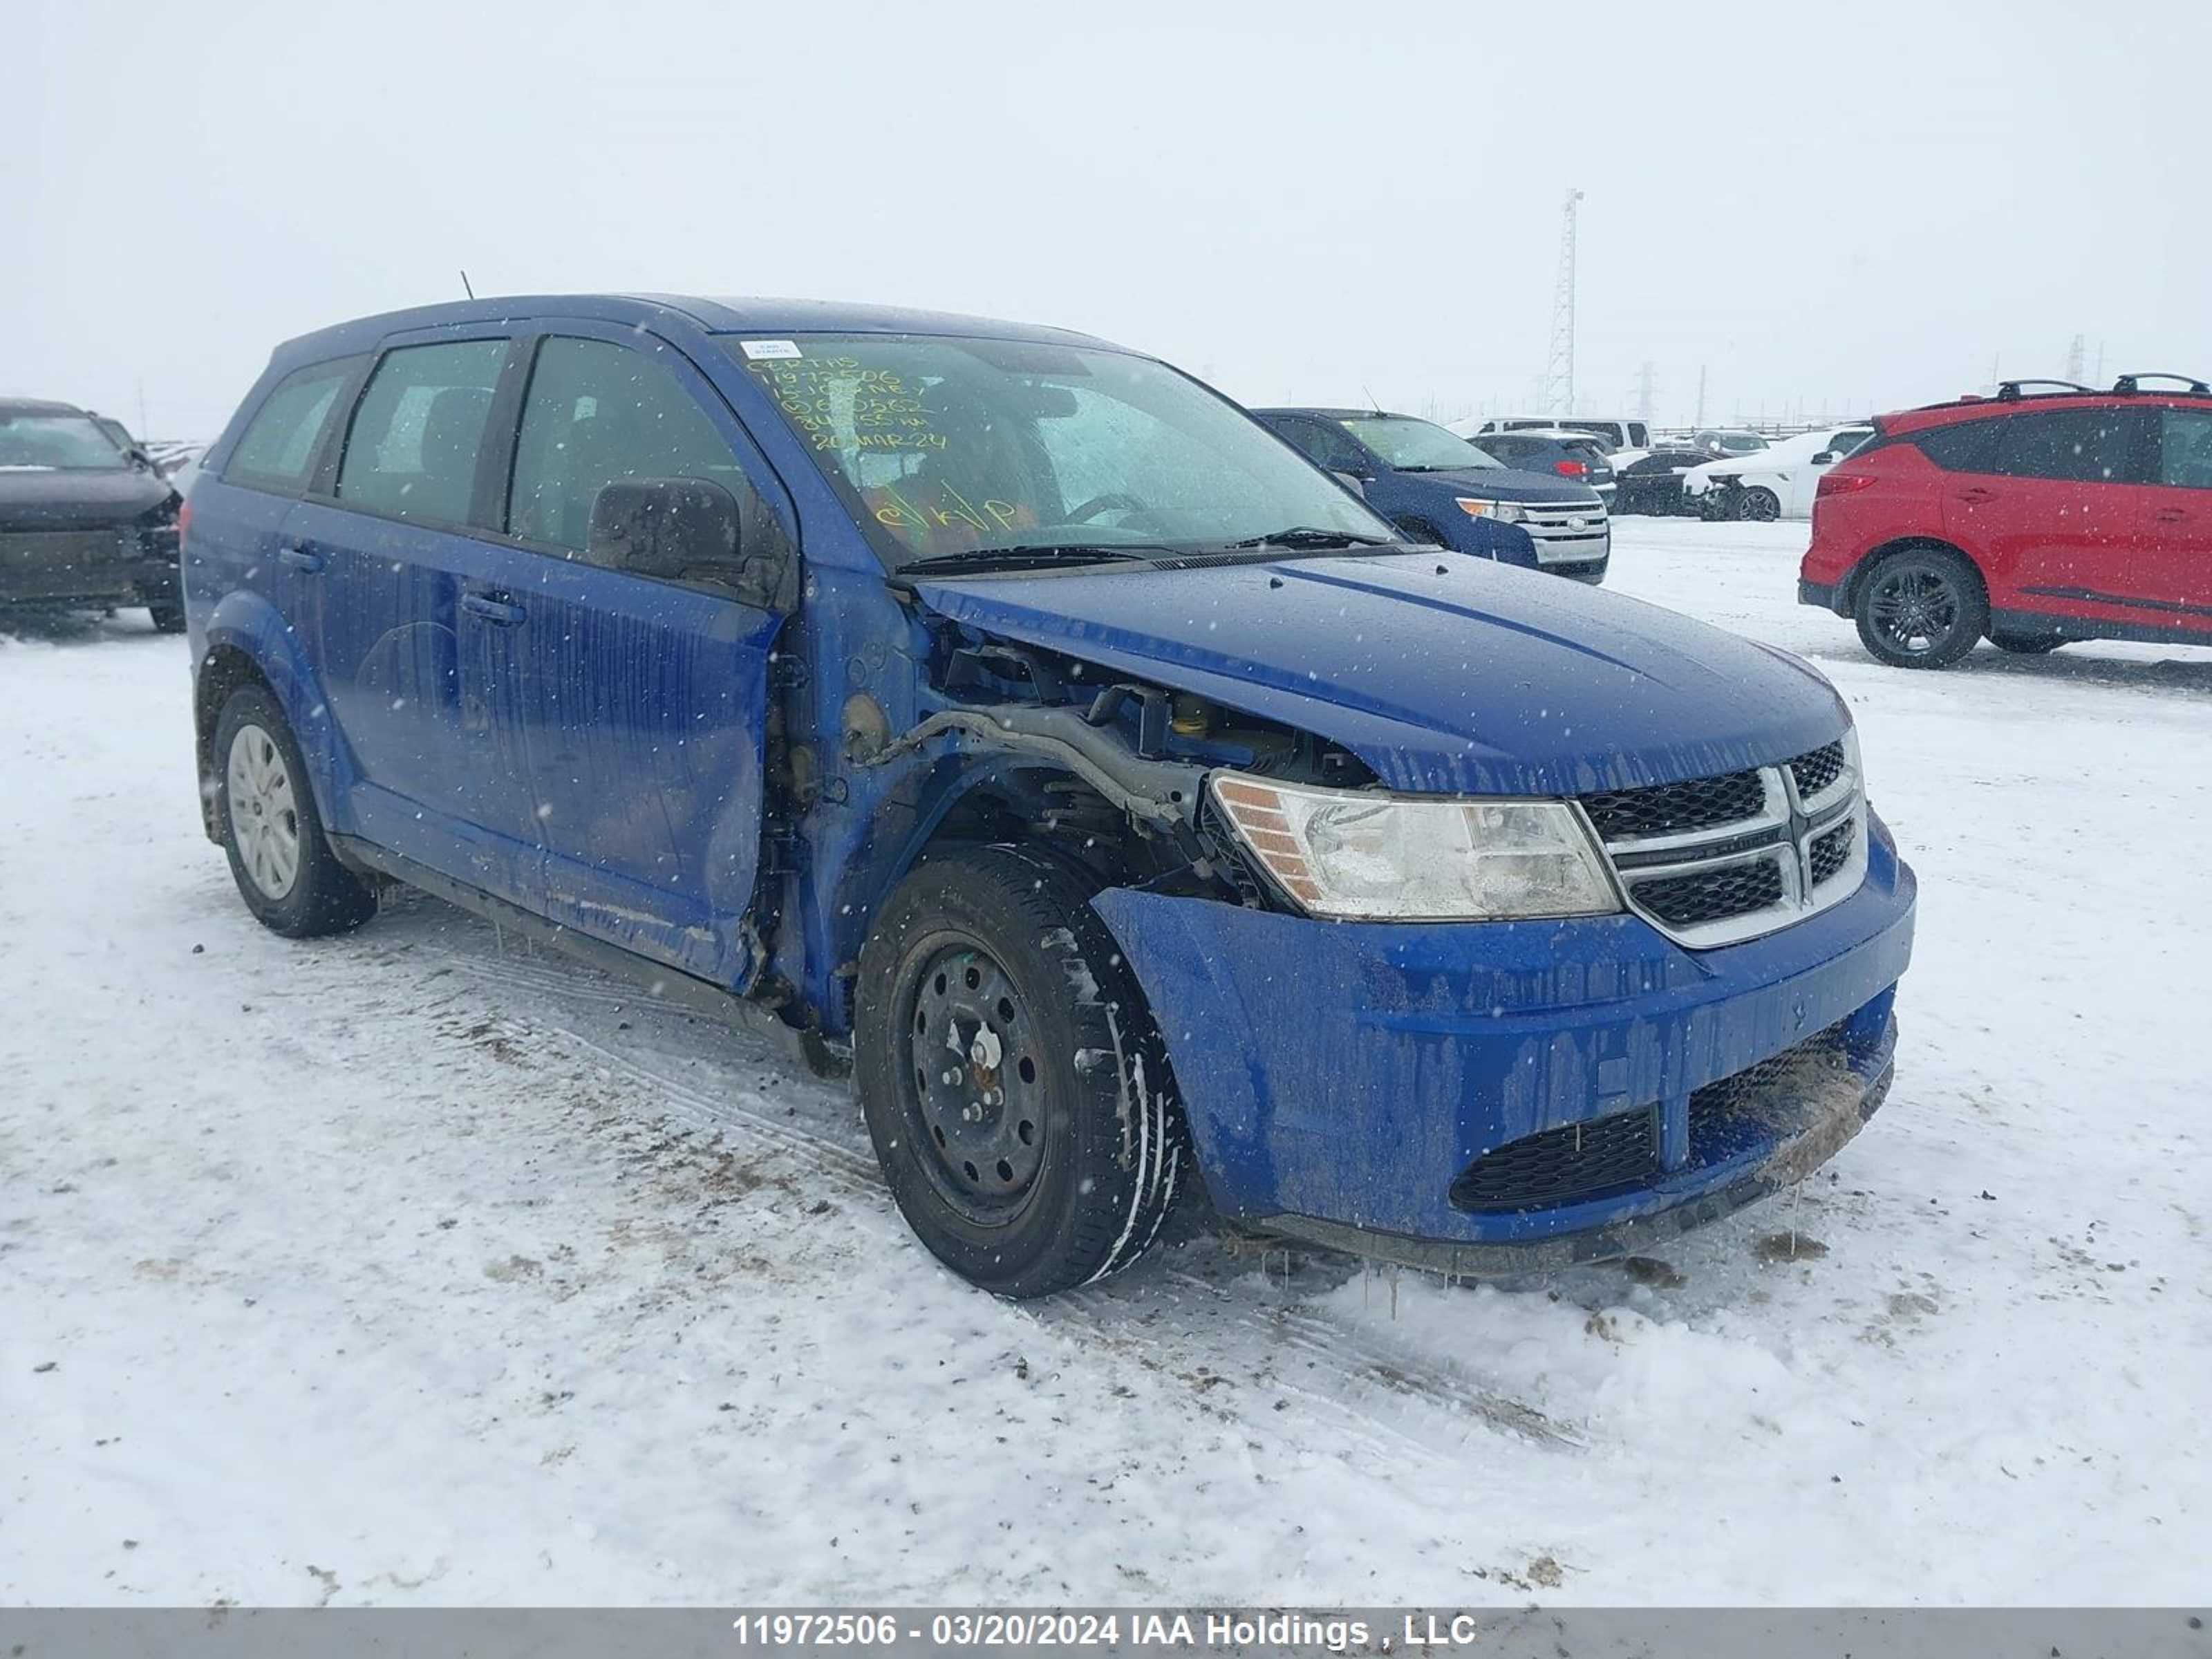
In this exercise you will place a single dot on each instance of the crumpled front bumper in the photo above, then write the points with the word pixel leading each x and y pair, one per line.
pixel 1338 1077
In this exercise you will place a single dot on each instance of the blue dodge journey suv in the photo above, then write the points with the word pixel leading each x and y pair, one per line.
pixel 1004 717
pixel 1437 487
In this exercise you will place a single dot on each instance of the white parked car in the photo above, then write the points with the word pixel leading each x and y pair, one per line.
pixel 1775 483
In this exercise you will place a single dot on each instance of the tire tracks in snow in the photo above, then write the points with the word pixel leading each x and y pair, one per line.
pixel 1194 1309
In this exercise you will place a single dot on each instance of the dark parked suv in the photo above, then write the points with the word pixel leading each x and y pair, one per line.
pixel 85 521
pixel 1437 486
pixel 1006 715
pixel 2032 518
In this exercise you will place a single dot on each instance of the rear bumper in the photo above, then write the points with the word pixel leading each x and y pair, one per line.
pixel 1827 595
pixel 1339 1077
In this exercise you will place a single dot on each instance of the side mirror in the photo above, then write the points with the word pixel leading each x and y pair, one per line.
pixel 693 529
pixel 1826 458
pixel 1352 481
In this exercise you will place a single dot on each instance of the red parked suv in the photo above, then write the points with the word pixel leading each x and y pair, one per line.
pixel 2032 518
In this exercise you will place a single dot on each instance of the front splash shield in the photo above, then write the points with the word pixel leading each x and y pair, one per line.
pixel 1343 1074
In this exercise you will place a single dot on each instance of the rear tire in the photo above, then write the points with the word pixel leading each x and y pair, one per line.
pixel 1018 1095
pixel 167 618
pixel 1759 505
pixel 279 855
pixel 1921 607
pixel 2027 645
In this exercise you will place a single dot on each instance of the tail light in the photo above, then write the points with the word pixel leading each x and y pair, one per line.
pixel 184 522
pixel 1569 469
pixel 1842 484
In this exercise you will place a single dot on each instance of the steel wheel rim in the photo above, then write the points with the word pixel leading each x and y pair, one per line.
pixel 1915 610
pixel 265 813
pixel 972 1084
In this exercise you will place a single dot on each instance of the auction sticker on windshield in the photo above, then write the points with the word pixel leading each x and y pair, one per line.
pixel 759 349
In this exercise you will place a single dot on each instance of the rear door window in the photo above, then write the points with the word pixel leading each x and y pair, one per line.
pixel 412 450
pixel 1964 447
pixel 2075 445
pixel 280 442
pixel 596 412
pixel 2185 449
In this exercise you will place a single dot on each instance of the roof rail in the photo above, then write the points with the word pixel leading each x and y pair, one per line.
pixel 2009 390
pixel 2127 383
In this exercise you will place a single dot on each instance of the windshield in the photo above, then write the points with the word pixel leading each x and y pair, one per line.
pixel 947 446
pixel 58 442
pixel 1412 446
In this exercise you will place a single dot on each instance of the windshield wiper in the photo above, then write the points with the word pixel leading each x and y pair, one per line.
pixel 1303 535
pixel 1027 555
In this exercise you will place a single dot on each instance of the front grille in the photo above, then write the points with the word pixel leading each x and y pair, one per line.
pixel 1816 771
pixel 1669 809
pixel 1713 861
pixel 1559 1165
pixel 1716 895
pixel 1832 851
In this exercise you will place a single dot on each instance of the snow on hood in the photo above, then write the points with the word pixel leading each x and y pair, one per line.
pixel 1446 674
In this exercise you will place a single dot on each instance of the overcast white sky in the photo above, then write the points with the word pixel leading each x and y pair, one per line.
pixel 1833 203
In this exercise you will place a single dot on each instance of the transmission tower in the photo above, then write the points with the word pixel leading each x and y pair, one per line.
pixel 2073 355
pixel 1645 392
pixel 1559 368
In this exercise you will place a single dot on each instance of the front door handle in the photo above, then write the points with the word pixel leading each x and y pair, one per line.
pixel 1977 495
pixel 305 560
pixel 2171 516
pixel 491 608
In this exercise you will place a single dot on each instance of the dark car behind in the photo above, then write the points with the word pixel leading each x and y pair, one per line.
pixel 82 521
pixel 1652 484
pixel 1573 455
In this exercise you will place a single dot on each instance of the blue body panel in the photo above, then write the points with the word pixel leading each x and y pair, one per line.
pixel 423 693
pixel 1348 1071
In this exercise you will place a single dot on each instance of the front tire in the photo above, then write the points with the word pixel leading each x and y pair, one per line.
pixel 167 618
pixel 279 855
pixel 1018 1095
pixel 1921 607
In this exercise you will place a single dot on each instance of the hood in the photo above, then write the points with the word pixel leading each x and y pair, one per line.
pixel 1508 484
pixel 1446 674
pixel 65 499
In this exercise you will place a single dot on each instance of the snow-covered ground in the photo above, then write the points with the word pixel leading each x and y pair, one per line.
pixel 411 1268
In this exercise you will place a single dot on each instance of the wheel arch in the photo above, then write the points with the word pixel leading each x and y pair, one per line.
pixel 1847 590
pixel 1027 800
pixel 249 642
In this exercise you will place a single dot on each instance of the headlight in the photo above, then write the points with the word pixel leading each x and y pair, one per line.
pixel 1344 853
pixel 1504 512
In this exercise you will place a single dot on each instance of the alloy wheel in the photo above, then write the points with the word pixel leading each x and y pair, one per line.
pixel 1915 608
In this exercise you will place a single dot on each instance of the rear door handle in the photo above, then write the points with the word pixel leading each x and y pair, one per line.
pixel 2171 516
pixel 303 559
pixel 1977 496
pixel 491 608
